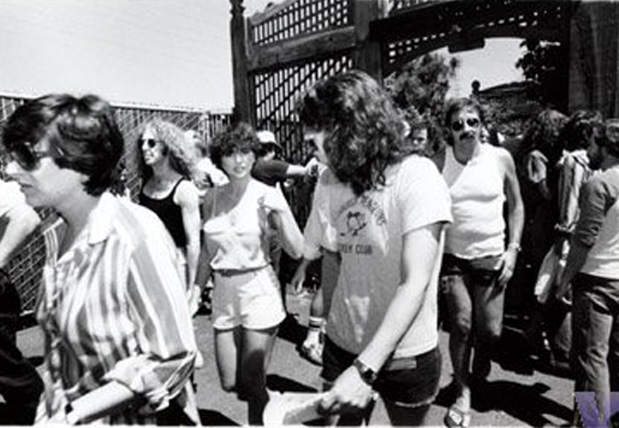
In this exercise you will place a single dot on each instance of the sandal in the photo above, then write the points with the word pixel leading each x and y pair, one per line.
pixel 457 417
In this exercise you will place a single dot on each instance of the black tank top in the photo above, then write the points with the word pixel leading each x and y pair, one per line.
pixel 170 214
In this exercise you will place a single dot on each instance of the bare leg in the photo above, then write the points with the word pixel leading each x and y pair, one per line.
pixel 488 302
pixel 460 308
pixel 227 344
pixel 256 351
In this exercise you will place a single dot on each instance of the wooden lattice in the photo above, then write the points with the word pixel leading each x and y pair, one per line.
pixel 294 18
pixel 25 268
pixel 277 93
pixel 419 27
pixel 397 6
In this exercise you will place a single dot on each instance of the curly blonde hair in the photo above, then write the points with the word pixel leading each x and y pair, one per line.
pixel 179 149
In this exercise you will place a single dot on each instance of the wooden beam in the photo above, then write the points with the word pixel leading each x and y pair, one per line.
pixel 301 48
pixel 367 51
pixel 242 87
pixel 455 16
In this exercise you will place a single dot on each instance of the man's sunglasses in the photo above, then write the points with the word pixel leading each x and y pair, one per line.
pixel 28 158
pixel 472 122
pixel 150 142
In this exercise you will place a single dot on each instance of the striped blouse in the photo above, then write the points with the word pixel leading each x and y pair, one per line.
pixel 113 308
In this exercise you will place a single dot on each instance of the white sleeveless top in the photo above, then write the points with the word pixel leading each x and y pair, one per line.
pixel 477 196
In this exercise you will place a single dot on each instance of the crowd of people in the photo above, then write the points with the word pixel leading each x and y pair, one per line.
pixel 399 222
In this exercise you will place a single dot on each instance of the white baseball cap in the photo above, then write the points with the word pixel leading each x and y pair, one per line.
pixel 267 137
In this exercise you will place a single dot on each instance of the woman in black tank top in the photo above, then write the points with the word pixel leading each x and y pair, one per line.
pixel 167 165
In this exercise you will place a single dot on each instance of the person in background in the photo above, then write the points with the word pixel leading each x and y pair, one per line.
pixel 20 385
pixel 572 171
pixel 421 135
pixel 388 217
pixel 592 270
pixel 247 304
pixel 119 343
pixel 207 175
pixel 476 266
pixel 319 237
pixel 537 156
pixel 276 173
pixel 121 185
pixel 167 168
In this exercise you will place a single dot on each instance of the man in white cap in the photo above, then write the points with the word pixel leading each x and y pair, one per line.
pixel 273 171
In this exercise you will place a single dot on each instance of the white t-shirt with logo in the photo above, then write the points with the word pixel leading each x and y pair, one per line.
pixel 369 235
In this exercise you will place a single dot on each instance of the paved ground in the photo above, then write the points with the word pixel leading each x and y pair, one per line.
pixel 518 394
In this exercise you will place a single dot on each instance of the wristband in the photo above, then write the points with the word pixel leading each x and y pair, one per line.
pixel 514 246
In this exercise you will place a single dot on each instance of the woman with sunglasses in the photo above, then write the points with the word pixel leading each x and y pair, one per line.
pixel 388 210
pixel 167 168
pixel 119 341
pixel 247 305
pixel 476 266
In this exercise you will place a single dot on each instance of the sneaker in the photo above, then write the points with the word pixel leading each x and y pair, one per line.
pixel 312 348
pixel 312 352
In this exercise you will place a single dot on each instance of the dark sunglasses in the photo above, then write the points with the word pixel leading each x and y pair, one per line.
pixel 150 142
pixel 28 158
pixel 472 122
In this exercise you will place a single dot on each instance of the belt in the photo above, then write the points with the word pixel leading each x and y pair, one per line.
pixel 236 272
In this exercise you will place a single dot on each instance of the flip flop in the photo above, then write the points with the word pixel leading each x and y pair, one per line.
pixel 456 417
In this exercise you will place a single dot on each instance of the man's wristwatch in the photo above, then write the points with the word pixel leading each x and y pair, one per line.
pixel 367 374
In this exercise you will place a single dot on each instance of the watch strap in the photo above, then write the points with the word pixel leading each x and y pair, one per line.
pixel 367 374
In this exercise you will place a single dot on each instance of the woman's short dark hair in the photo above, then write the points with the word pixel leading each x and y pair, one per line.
pixel 365 132
pixel 238 137
pixel 83 132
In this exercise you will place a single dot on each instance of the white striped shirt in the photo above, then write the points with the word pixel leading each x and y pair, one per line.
pixel 113 307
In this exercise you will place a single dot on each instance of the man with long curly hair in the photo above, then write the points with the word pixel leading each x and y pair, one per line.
pixel 389 217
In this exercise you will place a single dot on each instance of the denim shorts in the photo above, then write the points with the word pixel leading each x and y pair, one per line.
pixel 482 271
pixel 406 382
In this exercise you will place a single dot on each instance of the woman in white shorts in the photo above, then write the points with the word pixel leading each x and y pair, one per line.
pixel 239 218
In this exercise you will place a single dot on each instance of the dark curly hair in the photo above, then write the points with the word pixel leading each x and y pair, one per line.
pixel 82 132
pixel 543 134
pixel 365 132
pixel 581 126
pixel 238 137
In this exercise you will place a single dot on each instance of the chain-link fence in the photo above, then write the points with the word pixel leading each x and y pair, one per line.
pixel 25 268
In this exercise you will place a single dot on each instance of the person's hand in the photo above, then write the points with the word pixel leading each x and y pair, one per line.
pixel 350 394
pixel 273 202
pixel 507 269
pixel 195 295
pixel 297 281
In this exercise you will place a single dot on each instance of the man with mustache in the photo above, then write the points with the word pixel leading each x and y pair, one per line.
pixel 477 265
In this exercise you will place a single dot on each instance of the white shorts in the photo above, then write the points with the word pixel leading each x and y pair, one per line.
pixel 250 299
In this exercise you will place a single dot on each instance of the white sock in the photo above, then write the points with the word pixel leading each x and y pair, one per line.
pixel 316 326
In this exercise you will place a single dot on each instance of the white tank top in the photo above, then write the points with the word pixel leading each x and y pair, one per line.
pixel 477 196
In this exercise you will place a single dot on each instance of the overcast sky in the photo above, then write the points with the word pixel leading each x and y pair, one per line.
pixel 162 52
